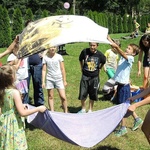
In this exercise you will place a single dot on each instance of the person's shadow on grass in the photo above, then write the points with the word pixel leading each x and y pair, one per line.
pixel 73 109
pixel 105 148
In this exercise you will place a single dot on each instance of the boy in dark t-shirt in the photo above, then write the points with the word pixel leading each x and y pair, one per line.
pixel 91 61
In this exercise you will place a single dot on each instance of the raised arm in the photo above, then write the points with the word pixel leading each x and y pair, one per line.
pixel 119 50
pixel 12 48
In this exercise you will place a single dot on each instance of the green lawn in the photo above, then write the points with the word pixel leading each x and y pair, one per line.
pixel 134 140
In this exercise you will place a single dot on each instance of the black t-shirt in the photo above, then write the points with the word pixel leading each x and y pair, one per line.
pixel 92 62
pixel 146 59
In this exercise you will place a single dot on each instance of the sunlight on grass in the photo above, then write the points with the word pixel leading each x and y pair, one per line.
pixel 134 140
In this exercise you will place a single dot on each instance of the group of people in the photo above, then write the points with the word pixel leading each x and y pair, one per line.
pixel 121 78
pixel 49 72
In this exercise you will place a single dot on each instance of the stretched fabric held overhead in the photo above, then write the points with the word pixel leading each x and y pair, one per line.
pixel 85 130
pixel 59 30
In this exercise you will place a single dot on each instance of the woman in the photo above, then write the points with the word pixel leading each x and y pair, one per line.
pixel 145 48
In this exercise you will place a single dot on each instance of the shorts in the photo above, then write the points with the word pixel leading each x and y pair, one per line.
pixel 89 86
pixel 55 84
pixel 123 93
pixel 146 63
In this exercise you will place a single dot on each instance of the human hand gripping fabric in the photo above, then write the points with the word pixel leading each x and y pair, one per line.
pixel 41 108
pixel 133 106
pixel 25 106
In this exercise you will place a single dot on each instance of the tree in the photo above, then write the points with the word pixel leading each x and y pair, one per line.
pixel 130 24
pixel 28 15
pixel 1 27
pixel 143 23
pixel 45 13
pixel 6 29
pixel 110 24
pixel 125 27
pixel 120 26
pixel 115 24
pixel 38 14
pixel 17 24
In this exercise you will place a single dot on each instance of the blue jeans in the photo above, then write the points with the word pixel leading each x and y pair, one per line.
pixel 36 72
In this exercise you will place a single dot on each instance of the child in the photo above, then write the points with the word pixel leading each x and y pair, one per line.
pixel 122 80
pixel 137 26
pixel 53 63
pixel 21 75
pixel 111 60
pixel 91 61
pixel 11 109
pixel 146 123
pixel 147 28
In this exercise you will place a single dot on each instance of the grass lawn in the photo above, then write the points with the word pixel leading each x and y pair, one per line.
pixel 134 140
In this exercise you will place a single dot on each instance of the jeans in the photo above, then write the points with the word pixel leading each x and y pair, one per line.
pixel 35 71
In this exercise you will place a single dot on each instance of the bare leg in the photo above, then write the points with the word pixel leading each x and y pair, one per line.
pixel 146 126
pixel 146 77
pixel 83 104
pixel 91 103
pixel 134 115
pixel 62 95
pixel 51 99
pixel 123 122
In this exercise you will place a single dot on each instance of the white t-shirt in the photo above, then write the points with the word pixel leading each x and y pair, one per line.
pixel 53 67
pixel 22 72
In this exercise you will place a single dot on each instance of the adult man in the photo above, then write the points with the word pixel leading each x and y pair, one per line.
pixel 35 70
pixel 91 61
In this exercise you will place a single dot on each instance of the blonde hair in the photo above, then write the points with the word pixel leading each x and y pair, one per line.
pixel 6 80
pixel 136 49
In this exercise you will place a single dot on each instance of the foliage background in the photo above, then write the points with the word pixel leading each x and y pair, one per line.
pixel 117 15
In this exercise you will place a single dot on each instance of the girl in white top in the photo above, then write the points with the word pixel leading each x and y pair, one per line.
pixel 54 72
pixel 21 74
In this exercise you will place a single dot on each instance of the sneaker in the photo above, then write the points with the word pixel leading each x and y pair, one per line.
pixel 82 111
pixel 89 111
pixel 121 132
pixel 137 124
